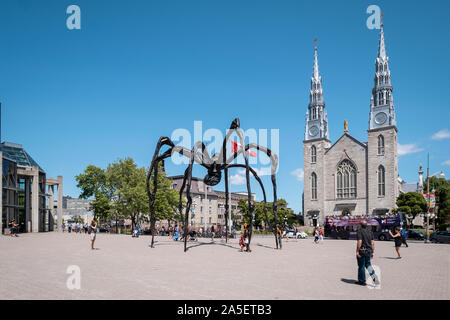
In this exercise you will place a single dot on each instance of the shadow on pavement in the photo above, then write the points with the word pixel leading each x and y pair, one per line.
pixel 349 281
pixel 210 243
pixel 264 246
pixel 392 258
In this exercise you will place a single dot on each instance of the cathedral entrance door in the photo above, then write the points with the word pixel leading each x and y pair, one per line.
pixel 346 212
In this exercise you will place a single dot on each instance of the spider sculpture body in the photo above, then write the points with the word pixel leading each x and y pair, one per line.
pixel 214 166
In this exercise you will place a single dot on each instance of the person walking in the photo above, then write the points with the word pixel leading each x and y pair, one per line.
pixel 176 234
pixel 212 233
pixel 404 236
pixel 320 235
pixel 92 232
pixel 63 227
pixel 365 248
pixel 398 240
pixel 13 228
pixel 69 227
pixel 316 235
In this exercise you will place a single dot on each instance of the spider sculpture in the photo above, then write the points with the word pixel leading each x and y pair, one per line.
pixel 214 166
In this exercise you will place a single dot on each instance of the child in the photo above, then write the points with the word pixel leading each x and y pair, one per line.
pixel 242 242
pixel 247 240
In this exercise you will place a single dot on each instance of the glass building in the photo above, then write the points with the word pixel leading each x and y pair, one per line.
pixel 23 191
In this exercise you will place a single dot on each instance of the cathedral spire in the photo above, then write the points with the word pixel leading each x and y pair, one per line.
pixel 316 62
pixel 382 112
pixel 316 119
pixel 381 45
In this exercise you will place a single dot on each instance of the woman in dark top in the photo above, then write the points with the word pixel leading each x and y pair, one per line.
pixel 398 240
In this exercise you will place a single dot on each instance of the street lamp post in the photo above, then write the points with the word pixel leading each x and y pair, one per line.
pixel 206 204
pixel 441 175
pixel 428 191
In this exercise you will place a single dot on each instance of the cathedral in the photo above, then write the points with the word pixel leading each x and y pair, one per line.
pixel 350 177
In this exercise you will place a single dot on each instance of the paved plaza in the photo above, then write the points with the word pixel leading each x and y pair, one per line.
pixel 34 266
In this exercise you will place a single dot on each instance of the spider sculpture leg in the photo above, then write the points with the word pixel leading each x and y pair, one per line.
pixel 154 169
pixel 188 178
pixel 274 164
pixel 152 193
pixel 247 178
pixel 255 175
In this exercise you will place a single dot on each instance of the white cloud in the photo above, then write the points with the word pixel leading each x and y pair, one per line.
pixel 237 179
pixel 442 134
pixel 404 149
pixel 298 173
pixel 446 163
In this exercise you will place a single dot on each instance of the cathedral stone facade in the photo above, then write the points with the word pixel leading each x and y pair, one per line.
pixel 350 177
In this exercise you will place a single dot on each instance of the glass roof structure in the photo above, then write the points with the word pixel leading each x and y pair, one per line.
pixel 15 152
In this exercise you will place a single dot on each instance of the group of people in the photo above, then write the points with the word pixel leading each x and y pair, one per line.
pixel 77 227
pixel 244 241
pixel 177 232
pixel 13 228
pixel 318 235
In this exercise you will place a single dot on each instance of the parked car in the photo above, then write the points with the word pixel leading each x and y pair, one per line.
pixel 302 235
pixel 103 230
pixel 293 234
pixel 440 237
pixel 415 234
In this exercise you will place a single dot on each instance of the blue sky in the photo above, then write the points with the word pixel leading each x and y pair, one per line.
pixel 141 69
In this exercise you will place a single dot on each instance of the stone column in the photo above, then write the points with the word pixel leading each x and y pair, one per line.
pixel 51 190
pixel 35 200
pixel 27 202
pixel 60 202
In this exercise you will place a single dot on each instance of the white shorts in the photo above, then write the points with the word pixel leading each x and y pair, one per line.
pixel 92 236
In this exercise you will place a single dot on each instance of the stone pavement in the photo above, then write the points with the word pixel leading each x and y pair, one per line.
pixel 34 266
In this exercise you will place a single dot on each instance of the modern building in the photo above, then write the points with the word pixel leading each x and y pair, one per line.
pixel 24 194
pixel 208 205
pixel 350 177
pixel 74 207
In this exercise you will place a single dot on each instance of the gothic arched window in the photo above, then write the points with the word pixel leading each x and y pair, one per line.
pixel 381 181
pixel 313 186
pixel 314 113
pixel 346 180
pixel 380 145
pixel 313 154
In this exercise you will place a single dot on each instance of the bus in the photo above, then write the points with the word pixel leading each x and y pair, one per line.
pixel 347 227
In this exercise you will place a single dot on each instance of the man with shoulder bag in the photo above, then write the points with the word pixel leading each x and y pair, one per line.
pixel 365 249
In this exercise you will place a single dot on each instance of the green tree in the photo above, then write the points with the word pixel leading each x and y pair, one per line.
pixel 284 214
pixel 442 192
pixel 167 199
pixel 93 183
pixel 412 204
pixel 128 185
